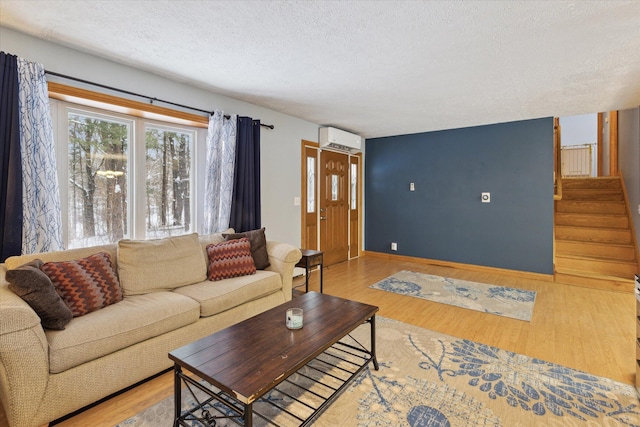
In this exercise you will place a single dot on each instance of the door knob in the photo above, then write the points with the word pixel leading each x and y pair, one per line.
pixel 323 218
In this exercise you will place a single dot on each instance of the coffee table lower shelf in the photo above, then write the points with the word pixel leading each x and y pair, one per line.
pixel 297 401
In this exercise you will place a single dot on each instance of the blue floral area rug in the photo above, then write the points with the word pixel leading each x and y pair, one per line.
pixel 430 379
pixel 508 302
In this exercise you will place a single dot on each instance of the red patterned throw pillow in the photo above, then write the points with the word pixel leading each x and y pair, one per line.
pixel 87 284
pixel 230 259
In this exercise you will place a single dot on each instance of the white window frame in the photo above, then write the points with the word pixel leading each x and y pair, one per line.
pixel 136 164
pixel 140 178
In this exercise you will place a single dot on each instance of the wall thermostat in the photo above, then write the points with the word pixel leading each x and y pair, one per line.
pixel 486 197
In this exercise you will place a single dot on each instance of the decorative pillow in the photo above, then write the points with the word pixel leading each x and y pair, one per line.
pixel 35 287
pixel 87 284
pixel 258 242
pixel 230 259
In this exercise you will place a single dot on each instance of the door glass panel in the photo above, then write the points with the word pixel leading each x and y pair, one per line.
pixel 334 187
pixel 311 184
pixel 354 185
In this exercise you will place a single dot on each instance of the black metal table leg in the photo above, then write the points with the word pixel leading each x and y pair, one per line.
pixel 373 342
pixel 177 394
pixel 248 415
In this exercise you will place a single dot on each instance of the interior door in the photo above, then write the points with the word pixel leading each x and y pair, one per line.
pixel 334 206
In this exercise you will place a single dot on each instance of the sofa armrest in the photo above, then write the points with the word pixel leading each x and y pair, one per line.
pixel 283 257
pixel 24 355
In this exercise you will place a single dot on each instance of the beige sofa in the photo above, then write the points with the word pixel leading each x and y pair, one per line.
pixel 46 374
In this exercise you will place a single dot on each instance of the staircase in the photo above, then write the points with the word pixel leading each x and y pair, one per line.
pixel 594 242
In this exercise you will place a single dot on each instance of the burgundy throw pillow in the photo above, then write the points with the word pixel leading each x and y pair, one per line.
pixel 87 284
pixel 230 259
pixel 258 241
pixel 34 287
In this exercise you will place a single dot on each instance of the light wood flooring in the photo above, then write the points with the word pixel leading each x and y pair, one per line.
pixel 582 328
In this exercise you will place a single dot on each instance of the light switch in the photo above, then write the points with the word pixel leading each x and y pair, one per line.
pixel 412 187
pixel 296 201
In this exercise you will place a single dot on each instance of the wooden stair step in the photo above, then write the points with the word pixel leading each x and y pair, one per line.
pixel 592 220
pixel 583 206
pixel 591 234
pixel 602 266
pixel 591 280
pixel 611 183
pixel 592 194
pixel 594 244
pixel 596 249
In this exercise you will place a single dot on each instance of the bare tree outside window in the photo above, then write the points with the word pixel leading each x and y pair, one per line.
pixel 119 186
pixel 168 169
pixel 97 180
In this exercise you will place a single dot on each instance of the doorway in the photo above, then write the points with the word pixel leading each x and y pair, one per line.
pixel 587 145
pixel 334 206
pixel 331 202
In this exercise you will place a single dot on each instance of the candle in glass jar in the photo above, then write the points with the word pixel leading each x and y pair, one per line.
pixel 294 318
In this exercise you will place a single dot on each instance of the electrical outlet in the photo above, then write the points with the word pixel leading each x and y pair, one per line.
pixel 394 246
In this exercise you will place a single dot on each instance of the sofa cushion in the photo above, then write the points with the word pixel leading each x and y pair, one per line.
pixel 258 242
pixel 216 297
pixel 159 265
pixel 32 285
pixel 87 284
pixel 117 326
pixel 230 259
pixel 207 239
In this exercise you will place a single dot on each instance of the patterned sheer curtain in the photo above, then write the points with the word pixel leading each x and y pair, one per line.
pixel 220 164
pixel 42 220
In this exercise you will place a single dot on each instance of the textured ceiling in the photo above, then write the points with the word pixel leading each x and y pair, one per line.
pixel 376 68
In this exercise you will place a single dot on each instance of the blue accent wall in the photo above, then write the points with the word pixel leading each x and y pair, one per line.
pixel 444 218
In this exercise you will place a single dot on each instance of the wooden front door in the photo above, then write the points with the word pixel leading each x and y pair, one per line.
pixel 334 206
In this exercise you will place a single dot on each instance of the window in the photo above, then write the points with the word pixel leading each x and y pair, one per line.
pixel 354 186
pixel 124 176
pixel 98 152
pixel 334 187
pixel 311 184
pixel 168 189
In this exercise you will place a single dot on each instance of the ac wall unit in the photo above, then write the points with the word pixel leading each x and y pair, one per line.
pixel 339 139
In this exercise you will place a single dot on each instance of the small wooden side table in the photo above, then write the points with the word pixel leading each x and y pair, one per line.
pixel 310 258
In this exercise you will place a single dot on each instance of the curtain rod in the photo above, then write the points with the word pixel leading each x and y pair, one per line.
pixel 151 99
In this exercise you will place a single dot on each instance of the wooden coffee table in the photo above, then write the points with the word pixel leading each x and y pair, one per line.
pixel 247 360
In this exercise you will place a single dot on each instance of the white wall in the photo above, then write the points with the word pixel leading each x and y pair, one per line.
pixel 280 148
pixel 581 129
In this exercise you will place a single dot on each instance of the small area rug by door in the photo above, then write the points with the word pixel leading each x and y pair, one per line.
pixel 431 379
pixel 508 302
